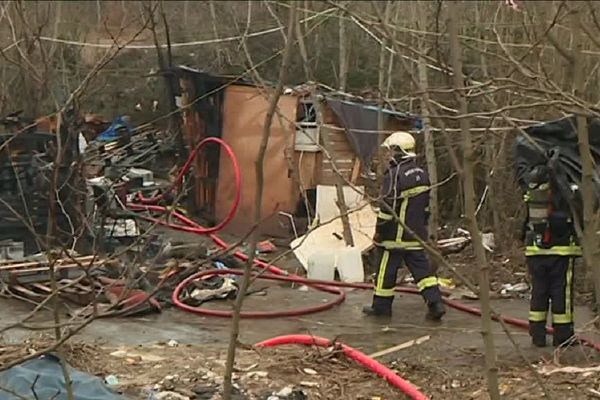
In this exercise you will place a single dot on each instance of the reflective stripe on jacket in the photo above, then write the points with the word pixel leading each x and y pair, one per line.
pixel 406 191
pixel 569 251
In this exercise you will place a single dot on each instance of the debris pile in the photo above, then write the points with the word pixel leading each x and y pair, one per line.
pixel 31 279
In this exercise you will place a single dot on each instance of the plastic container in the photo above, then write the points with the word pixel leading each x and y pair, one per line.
pixel 321 265
pixel 349 265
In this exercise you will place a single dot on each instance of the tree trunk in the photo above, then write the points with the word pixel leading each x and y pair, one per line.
pixel 421 19
pixel 381 86
pixel 590 236
pixel 303 50
pixel 339 182
pixel 259 169
pixel 469 194
pixel 343 41
pixel 186 11
pixel 492 199
pixel 98 13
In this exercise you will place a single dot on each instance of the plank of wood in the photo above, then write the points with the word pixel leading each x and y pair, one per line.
pixel 401 346
pixel 355 171
pixel 342 163
pixel 64 264
pixel 42 288
pixel 57 268
pixel 12 265
pixel 335 148
pixel 28 293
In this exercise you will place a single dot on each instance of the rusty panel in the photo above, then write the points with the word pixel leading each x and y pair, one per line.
pixel 244 115
pixel 194 133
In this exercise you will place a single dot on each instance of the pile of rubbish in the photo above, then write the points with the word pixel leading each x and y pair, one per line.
pixel 80 280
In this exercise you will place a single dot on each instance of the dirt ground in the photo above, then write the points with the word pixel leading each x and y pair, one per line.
pixel 176 371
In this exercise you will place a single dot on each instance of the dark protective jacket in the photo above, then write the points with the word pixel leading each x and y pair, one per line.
pixel 405 190
pixel 549 227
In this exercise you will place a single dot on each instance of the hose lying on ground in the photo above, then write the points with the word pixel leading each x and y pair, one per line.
pixel 327 286
pixel 176 297
pixel 361 358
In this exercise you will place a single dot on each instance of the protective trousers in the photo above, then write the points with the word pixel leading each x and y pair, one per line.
pixel 551 286
pixel 389 261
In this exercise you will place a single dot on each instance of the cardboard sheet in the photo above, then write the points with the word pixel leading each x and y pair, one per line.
pixel 244 116
pixel 362 223
pixel 327 198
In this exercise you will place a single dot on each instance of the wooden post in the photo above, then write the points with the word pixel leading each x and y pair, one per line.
pixel 469 199
pixel 421 19
pixel 339 181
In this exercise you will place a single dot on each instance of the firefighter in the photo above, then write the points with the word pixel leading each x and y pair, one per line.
pixel 405 190
pixel 550 250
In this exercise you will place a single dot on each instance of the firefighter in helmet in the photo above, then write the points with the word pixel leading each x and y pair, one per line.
pixel 403 213
pixel 550 250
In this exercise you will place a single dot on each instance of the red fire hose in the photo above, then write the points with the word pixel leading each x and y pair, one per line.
pixel 361 358
pixel 327 286
pixel 341 296
pixel 186 167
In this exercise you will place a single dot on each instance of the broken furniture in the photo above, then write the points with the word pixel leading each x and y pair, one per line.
pixel 142 162
pixel 146 148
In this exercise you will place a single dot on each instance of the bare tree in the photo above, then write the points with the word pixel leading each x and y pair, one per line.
pixel 470 204
pixel 421 24
pixel 259 170
pixel 343 45
pixel 590 220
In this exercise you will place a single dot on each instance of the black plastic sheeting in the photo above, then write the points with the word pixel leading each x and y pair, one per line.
pixel 558 140
pixel 44 375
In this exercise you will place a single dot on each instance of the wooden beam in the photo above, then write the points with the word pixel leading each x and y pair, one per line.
pixel 355 171
pixel 401 346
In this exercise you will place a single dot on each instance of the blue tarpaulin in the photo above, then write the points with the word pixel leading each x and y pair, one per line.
pixel 45 376
pixel 115 130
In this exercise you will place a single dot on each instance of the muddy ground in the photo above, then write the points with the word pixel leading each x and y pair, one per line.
pixel 182 353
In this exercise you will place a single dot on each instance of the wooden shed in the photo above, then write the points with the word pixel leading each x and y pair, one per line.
pixel 307 122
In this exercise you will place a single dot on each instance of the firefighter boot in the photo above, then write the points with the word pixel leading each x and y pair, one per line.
pixel 537 331
pixel 564 335
pixel 381 307
pixel 436 310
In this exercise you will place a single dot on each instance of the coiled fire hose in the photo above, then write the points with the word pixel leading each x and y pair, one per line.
pixel 145 206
